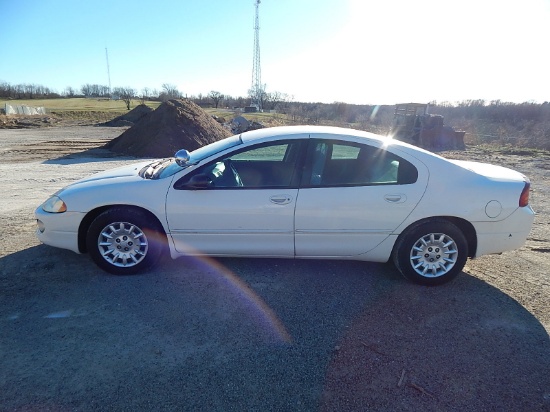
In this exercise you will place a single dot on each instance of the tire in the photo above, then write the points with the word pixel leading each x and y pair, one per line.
pixel 124 241
pixel 431 253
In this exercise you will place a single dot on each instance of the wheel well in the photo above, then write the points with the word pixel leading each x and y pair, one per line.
pixel 92 214
pixel 465 227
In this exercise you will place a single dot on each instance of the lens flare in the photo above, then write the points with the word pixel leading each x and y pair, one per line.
pixel 258 309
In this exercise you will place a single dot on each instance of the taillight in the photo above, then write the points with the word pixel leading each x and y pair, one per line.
pixel 524 197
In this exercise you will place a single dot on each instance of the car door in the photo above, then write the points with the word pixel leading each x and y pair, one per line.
pixel 353 196
pixel 238 204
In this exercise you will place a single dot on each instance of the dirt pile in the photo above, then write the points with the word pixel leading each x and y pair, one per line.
pixel 174 125
pixel 130 118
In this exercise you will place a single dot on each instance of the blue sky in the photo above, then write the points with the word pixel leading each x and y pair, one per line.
pixel 355 51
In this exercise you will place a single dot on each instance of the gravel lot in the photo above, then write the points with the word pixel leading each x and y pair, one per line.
pixel 258 334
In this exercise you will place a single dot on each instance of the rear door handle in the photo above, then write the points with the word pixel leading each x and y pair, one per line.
pixel 395 198
pixel 280 199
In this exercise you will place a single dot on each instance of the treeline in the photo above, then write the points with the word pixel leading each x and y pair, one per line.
pixel 522 124
pixel 26 91
pixel 36 91
pixel 519 124
pixel 494 111
pixel 101 91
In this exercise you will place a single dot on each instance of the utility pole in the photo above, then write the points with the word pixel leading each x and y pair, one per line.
pixel 108 71
pixel 256 89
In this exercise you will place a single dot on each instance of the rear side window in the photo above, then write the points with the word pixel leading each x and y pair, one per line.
pixel 348 164
pixel 340 151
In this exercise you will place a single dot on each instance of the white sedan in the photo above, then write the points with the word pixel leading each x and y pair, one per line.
pixel 295 192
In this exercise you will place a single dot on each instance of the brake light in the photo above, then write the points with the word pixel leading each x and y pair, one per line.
pixel 524 197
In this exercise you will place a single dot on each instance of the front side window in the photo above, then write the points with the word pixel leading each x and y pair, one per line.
pixel 349 164
pixel 271 165
pixel 275 153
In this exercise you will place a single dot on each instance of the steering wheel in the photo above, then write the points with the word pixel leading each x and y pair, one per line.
pixel 229 165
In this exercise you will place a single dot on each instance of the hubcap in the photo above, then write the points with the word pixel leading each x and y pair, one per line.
pixel 122 244
pixel 433 255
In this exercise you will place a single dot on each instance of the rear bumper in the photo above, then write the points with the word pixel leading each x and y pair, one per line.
pixel 508 234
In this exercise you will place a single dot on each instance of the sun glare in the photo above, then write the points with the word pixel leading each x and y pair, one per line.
pixel 265 317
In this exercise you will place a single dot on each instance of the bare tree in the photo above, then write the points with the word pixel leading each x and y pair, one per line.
pixel 145 94
pixel 29 90
pixel 69 91
pixel 126 94
pixel 169 91
pixel 216 97
pixel 255 94
pixel 104 91
pixel 5 89
pixel 85 90
pixel 95 90
pixel 276 100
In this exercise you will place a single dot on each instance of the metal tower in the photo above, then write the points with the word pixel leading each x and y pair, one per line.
pixel 108 71
pixel 256 89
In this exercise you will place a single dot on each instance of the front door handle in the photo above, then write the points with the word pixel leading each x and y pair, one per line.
pixel 280 199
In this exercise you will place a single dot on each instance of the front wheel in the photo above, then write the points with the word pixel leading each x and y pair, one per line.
pixel 124 242
pixel 431 253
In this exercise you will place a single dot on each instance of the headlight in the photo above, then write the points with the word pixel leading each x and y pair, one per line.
pixel 54 205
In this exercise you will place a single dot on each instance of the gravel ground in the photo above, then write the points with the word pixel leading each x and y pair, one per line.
pixel 258 334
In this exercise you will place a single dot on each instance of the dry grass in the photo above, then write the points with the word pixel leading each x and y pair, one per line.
pixel 78 104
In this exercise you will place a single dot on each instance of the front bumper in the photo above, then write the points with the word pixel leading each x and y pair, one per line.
pixel 58 229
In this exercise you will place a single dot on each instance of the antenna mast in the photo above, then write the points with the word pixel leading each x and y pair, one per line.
pixel 108 71
pixel 256 89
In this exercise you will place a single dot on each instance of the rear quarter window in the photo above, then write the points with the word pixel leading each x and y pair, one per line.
pixel 406 173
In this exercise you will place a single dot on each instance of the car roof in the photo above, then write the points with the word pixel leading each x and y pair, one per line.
pixel 280 131
pixel 328 132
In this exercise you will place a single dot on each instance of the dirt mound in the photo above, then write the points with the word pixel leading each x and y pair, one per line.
pixel 130 118
pixel 174 125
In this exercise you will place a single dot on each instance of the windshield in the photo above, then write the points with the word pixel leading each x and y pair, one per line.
pixel 159 169
pixel 213 148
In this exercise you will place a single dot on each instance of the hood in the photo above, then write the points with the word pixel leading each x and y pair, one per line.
pixel 119 172
pixel 122 185
pixel 492 172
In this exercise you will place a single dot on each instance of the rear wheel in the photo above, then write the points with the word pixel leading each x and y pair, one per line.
pixel 431 253
pixel 124 242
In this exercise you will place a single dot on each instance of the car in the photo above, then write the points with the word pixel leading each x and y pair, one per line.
pixel 311 192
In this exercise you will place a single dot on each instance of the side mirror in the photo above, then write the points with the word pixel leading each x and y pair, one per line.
pixel 182 157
